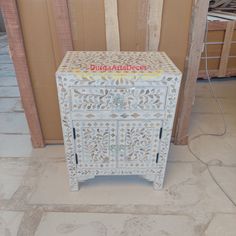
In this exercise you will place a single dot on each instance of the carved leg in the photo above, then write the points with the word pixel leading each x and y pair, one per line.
pixel 158 183
pixel 74 187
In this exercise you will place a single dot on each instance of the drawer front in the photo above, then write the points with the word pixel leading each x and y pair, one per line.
pixel 94 143
pixel 118 99
pixel 138 143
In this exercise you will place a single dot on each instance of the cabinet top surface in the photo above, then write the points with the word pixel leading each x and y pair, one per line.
pixel 108 63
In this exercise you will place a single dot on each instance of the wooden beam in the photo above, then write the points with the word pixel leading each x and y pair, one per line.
pixel 63 29
pixel 112 25
pixel 154 18
pixel 187 94
pixel 16 44
pixel 217 25
pixel 226 48
pixel 214 73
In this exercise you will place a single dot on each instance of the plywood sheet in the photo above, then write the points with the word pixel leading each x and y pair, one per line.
pixel 213 64
pixel 234 36
pixel 42 59
pixel 132 16
pixel 175 30
pixel 88 24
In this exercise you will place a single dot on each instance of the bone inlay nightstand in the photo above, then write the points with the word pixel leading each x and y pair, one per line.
pixel 117 112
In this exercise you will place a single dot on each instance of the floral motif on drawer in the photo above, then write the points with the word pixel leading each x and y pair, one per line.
pixel 106 98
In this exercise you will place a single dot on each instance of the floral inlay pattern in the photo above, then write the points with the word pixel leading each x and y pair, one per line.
pixel 94 140
pixel 139 143
pixel 102 98
pixel 118 126
pixel 96 144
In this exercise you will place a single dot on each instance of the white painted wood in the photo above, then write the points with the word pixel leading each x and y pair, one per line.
pixel 154 18
pixel 112 25
pixel 117 121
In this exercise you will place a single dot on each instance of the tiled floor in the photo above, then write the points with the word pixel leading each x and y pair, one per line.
pixel 35 199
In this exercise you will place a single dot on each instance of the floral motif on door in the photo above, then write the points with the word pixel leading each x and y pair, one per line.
pixel 94 142
pixel 138 143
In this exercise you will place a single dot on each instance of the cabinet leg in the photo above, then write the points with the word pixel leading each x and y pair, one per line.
pixel 158 184
pixel 75 187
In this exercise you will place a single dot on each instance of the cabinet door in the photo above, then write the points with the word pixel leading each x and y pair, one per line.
pixel 138 143
pixel 95 143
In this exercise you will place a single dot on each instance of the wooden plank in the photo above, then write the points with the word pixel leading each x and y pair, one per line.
pixel 226 48
pixel 217 25
pixel 112 25
pixel 54 142
pixel 63 28
pixel 154 18
pixel 214 73
pixel 16 44
pixel 196 39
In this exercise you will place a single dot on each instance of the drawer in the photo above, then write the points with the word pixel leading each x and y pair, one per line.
pixel 118 99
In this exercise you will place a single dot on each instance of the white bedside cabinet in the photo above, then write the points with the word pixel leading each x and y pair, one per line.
pixel 117 112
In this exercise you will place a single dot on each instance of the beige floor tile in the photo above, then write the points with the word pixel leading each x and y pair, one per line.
pixel 14 123
pixel 10 104
pixel 12 173
pixel 226 176
pixel 49 151
pixel 213 123
pixel 208 105
pixel 9 222
pixel 180 153
pixel 115 225
pixel 15 145
pixel 222 225
pixel 215 150
pixel 223 89
pixel 188 187
pixel 9 92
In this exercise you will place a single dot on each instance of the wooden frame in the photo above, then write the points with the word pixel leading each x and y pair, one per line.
pixel 196 39
pixel 65 41
pixel 16 44
pixel 223 71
